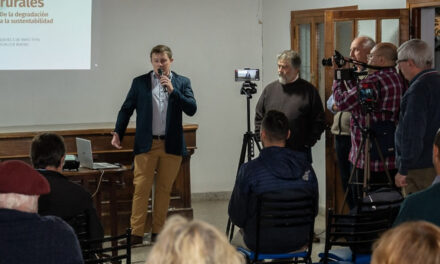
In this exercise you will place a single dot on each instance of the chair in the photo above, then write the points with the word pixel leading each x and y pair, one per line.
pixel 356 232
pixel 80 225
pixel 107 250
pixel 282 214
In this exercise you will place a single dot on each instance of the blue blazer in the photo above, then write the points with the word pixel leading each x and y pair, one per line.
pixel 140 98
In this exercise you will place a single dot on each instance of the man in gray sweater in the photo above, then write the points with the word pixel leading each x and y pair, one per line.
pixel 298 100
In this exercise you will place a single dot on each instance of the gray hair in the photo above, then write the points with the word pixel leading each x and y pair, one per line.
pixel 291 56
pixel 20 202
pixel 367 42
pixel 418 51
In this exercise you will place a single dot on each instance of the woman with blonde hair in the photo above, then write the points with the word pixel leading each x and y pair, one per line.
pixel 408 243
pixel 192 242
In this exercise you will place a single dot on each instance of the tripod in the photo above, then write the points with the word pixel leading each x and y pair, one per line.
pixel 249 138
pixel 367 137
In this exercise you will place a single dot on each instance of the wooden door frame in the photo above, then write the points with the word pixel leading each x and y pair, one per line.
pixel 415 7
pixel 312 17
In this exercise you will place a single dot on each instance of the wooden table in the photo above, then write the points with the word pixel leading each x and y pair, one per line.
pixel 108 180
pixel 15 143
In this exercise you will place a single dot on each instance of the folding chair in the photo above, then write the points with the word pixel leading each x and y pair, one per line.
pixel 356 232
pixel 102 251
pixel 282 214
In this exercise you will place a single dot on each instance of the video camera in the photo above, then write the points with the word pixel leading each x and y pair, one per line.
pixel 340 61
pixel 247 74
pixel 338 58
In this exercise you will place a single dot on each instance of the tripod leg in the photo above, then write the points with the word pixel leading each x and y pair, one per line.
pixel 256 141
pixel 382 159
pixel 247 140
pixel 350 180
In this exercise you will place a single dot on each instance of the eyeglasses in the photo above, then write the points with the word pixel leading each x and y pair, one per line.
pixel 402 60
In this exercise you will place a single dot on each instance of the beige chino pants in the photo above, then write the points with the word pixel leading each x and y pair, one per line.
pixel 145 165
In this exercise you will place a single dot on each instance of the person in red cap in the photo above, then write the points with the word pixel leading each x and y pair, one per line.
pixel 25 236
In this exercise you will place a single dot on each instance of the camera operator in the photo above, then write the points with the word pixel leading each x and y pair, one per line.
pixel 387 87
pixel 359 49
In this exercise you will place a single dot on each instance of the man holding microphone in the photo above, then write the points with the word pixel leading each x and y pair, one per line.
pixel 159 98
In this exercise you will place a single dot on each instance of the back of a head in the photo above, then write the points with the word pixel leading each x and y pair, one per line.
pixel 366 42
pixel 276 126
pixel 192 242
pixel 20 186
pixel 47 149
pixel 418 51
pixel 387 50
pixel 408 243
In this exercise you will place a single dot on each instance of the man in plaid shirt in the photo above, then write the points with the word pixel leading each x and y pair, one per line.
pixel 388 87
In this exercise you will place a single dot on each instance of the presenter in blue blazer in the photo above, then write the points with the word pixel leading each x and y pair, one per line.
pixel 159 98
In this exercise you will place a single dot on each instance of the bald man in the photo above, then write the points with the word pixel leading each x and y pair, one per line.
pixel 359 49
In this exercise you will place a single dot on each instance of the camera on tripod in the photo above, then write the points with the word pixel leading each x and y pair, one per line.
pixel 247 75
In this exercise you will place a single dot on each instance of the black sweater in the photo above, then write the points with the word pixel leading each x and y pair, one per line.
pixel 301 103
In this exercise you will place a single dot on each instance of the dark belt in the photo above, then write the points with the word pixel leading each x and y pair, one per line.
pixel 159 137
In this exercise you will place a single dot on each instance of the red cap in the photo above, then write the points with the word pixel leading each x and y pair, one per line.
pixel 18 177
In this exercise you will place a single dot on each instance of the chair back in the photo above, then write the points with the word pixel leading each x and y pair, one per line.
pixel 109 249
pixel 80 225
pixel 361 228
pixel 284 215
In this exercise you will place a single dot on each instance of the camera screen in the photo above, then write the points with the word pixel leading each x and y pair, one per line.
pixel 247 75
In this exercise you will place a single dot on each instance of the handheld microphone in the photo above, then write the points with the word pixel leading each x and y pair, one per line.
pixel 160 71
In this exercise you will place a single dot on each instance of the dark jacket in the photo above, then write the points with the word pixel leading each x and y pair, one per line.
pixel 67 200
pixel 140 98
pixel 276 169
pixel 30 238
pixel 419 121
pixel 421 206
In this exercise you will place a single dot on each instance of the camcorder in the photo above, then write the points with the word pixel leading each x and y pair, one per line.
pixel 340 61
pixel 337 58
pixel 247 75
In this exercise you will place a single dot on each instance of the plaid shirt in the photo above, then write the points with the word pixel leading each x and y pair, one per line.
pixel 392 87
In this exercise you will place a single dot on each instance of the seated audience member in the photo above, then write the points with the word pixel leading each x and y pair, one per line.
pixel 277 168
pixel 423 205
pixel 410 243
pixel 66 199
pixel 192 242
pixel 26 237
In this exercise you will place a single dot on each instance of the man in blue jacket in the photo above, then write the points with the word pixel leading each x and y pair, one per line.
pixel 419 117
pixel 159 98
pixel 277 168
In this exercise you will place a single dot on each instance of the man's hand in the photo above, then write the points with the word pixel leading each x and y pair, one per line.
pixel 166 82
pixel 115 140
pixel 335 108
pixel 400 180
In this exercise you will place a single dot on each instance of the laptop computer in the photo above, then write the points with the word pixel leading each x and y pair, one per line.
pixel 85 157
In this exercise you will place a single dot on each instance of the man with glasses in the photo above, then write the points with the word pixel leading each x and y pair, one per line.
pixel 388 87
pixel 419 117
